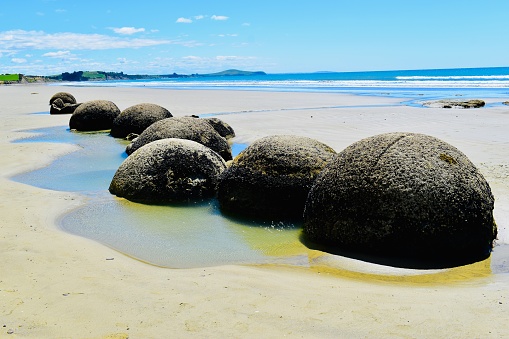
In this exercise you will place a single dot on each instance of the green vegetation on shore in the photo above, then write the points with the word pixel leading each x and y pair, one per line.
pixel 10 78
pixel 100 75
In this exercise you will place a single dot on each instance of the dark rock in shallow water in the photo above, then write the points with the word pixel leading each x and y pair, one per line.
pixel 404 195
pixel 188 128
pixel 271 178
pixel 221 127
pixel 94 115
pixel 137 118
pixel 67 98
pixel 506 103
pixel 475 103
pixel 168 170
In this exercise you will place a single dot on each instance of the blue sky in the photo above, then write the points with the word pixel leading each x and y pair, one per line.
pixel 277 36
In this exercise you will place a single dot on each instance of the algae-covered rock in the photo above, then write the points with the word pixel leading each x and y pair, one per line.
pixel 402 194
pixel 94 115
pixel 271 178
pixel 188 128
pixel 137 118
pixel 168 170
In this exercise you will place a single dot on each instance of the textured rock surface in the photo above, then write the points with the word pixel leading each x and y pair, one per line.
pixel 67 98
pixel 403 194
pixel 168 170
pixel 137 118
pixel 475 103
pixel 221 127
pixel 62 103
pixel 188 128
pixel 271 178
pixel 94 115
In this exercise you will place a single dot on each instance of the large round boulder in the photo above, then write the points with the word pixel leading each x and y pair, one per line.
pixel 62 103
pixel 59 107
pixel 402 195
pixel 94 115
pixel 188 128
pixel 168 170
pixel 137 118
pixel 271 178
pixel 67 98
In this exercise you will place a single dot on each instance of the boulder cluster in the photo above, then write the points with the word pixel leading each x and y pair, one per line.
pixel 402 195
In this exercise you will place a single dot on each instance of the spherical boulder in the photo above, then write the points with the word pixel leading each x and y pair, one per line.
pixel 168 170
pixel 59 107
pixel 94 115
pixel 271 178
pixel 183 128
pixel 402 195
pixel 137 118
pixel 67 98
pixel 62 103
pixel 221 127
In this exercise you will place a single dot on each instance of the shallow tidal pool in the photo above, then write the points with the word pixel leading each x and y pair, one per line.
pixel 197 234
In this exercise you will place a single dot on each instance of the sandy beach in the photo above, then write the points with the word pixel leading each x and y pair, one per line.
pixel 57 285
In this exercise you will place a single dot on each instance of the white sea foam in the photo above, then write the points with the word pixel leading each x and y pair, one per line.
pixel 402 82
pixel 454 77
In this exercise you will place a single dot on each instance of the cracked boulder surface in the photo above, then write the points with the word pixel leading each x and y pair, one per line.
pixel 404 195
pixel 168 170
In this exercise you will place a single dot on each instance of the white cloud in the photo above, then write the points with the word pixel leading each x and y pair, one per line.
pixel 22 40
pixel 128 30
pixel 233 58
pixel 59 54
pixel 199 17
pixel 219 17
pixel 246 24
pixel 19 60
pixel 184 21
pixel 60 10
pixel 192 58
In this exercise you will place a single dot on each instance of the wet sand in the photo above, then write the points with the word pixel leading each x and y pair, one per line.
pixel 55 284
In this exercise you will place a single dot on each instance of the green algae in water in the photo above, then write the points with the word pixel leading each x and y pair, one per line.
pixel 180 236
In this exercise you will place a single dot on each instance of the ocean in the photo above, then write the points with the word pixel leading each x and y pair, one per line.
pixel 491 79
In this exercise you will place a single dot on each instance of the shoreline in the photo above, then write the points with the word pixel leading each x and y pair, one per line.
pixel 61 285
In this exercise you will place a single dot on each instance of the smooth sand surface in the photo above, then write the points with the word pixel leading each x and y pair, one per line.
pixel 57 285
